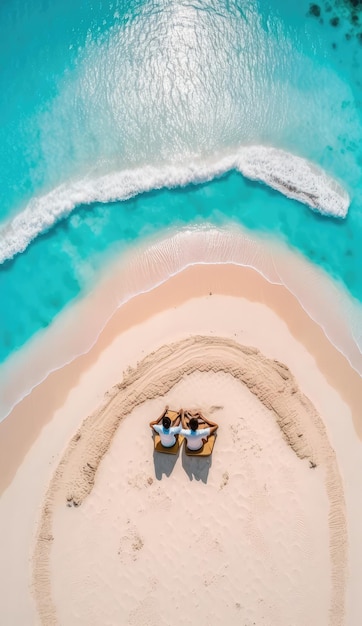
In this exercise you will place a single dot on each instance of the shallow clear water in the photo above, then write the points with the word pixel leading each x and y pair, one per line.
pixel 92 88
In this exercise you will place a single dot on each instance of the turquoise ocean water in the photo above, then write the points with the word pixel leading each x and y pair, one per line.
pixel 94 88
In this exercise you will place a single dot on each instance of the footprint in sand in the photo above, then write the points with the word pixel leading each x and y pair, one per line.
pixel 214 408
pixel 130 545
pixel 236 434
pixel 224 481
pixel 212 579
pixel 146 614
pixel 210 540
pixel 158 499
pixel 140 480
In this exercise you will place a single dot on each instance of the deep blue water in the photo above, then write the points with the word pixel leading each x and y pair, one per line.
pixel 90 88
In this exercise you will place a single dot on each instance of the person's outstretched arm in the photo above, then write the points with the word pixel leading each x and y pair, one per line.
pixel 210 423
pixel 183 420
pixel 177 421
pixel 160 418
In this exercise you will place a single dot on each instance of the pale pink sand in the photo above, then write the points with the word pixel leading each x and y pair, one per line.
pixel 241 538
pixel 30 415
pixel 69 395
pixel 143 268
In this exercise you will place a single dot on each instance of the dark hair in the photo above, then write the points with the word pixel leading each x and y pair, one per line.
pixel 166 422
pixel 194 423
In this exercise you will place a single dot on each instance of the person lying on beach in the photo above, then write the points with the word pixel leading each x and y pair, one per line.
pixel 196 429
pixel 167 431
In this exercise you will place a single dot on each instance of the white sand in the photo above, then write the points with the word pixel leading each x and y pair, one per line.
pixel 231 539
pixel 268 549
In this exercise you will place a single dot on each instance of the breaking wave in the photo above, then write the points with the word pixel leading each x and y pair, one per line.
pixel 291 175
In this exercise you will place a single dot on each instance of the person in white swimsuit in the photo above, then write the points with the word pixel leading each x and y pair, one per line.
pixel 167 431
pixel 196 429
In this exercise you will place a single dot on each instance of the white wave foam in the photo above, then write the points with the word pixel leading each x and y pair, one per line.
pixel 293 176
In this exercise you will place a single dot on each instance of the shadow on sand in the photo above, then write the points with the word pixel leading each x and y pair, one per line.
pixel 197 468
pixel 164 463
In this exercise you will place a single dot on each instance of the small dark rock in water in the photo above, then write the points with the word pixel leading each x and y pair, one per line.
pixel 359 37
pixel 348 36
pixel 355 3
pixel 334 21
pixel 334 46
pixel 354 18
pixel 315 10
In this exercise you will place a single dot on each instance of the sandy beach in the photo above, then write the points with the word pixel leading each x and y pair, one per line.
pixel 266 531
pixel 180 232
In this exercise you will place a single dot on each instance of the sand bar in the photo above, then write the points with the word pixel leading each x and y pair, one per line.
pixel 254 313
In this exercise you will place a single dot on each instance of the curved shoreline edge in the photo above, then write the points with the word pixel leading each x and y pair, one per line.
pixel 269 380
pixel 144 269
pixel 291 175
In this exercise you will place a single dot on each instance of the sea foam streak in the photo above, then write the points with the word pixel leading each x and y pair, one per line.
pixel 293 176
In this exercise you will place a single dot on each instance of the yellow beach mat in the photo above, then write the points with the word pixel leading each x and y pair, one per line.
pixel 206 449
pixel 172 414
pixel 160 448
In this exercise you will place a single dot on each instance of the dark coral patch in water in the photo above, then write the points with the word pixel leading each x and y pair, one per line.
pixel 354 3
pixel 315 10
pixel 334 21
